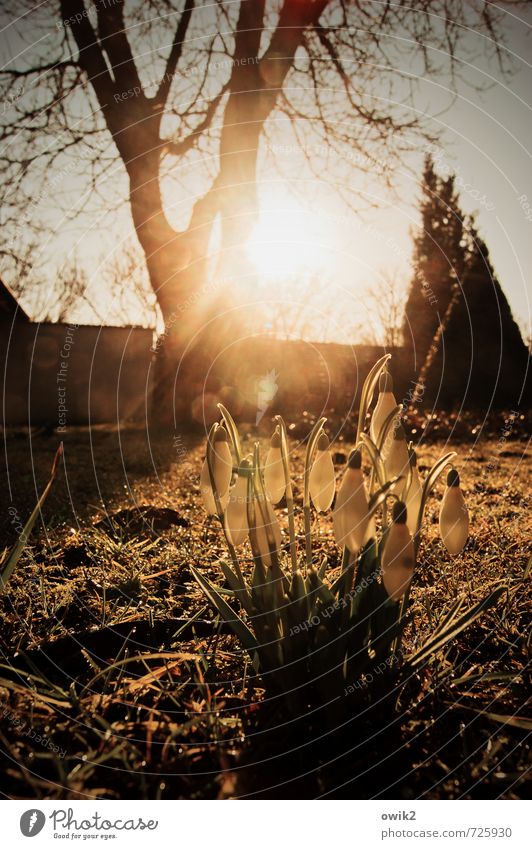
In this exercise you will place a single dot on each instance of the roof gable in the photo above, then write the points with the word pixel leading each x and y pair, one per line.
pixel 9 306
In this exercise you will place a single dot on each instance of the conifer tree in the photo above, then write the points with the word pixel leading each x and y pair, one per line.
pixel 440 257
pixel 482 359
pixel 458 323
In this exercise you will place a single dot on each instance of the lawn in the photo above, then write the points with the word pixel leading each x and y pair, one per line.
pixel 118 681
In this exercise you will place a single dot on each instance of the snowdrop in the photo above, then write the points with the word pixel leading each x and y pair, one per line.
pixel 385 404
pixel 351 524
pixel 321 481
pixel 398 558
pixel 288 591
pixel 222 470
pixel 454 517
pixel 397 460
pixel 236 514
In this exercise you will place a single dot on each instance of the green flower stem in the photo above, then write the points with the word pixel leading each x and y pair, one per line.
pixel 219 512
pixel 347 567
pixel 232 431
pixel 289 494
pixel 309 456
pixel 428 486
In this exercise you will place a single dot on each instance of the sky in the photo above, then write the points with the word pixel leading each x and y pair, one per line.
pixel 310 247
pixel 485 140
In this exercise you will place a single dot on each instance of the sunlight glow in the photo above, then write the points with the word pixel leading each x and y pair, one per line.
pixel 287 240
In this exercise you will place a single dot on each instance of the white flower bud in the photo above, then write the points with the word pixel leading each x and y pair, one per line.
pixel 274 479
pixel 397 459
pixel 385 404
pixel 321 478
pixel 351 525
pixel 398 558
pixel 222 468
pixel 454 517
pixel 236 514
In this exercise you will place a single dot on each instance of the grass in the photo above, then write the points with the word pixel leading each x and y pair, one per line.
pixel 101 660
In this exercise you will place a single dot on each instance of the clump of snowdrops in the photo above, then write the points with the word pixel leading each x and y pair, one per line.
pixel 312 637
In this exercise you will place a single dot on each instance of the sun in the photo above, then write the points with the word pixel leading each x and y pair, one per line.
pixel 286 240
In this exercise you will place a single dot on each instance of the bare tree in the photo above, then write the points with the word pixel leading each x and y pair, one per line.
pixel 58 298
pixel 384 303
pixel 125 276
pixel 132 90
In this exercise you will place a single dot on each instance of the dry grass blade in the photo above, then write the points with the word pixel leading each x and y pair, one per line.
pixel 434 644
pixel 449 617
pixel 515 720
pixel 14 555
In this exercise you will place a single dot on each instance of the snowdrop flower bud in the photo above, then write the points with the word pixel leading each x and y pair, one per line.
pixel 413 496
pixel 351 525
pixel 274 479
pixel 266 522
pixel 236 514
pixel 398 559
pixel 321 478
pixel 385 404
pixel 397 460
pixel 454 518
pixel 222 468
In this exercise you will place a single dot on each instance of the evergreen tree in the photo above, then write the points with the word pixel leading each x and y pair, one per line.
pixel 458 323
pixel 482 359
pixel 440 256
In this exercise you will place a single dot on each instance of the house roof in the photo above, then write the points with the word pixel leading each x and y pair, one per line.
pixel 9 306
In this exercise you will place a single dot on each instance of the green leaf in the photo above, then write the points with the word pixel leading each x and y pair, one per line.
pixel 375 457
pixel 228 614
pixel 323 568
pixel 366 395
pixel 239 589
pixel 232 431
pixel 338 585
pixel 298 595
pixel 318 590
pixel 367 563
